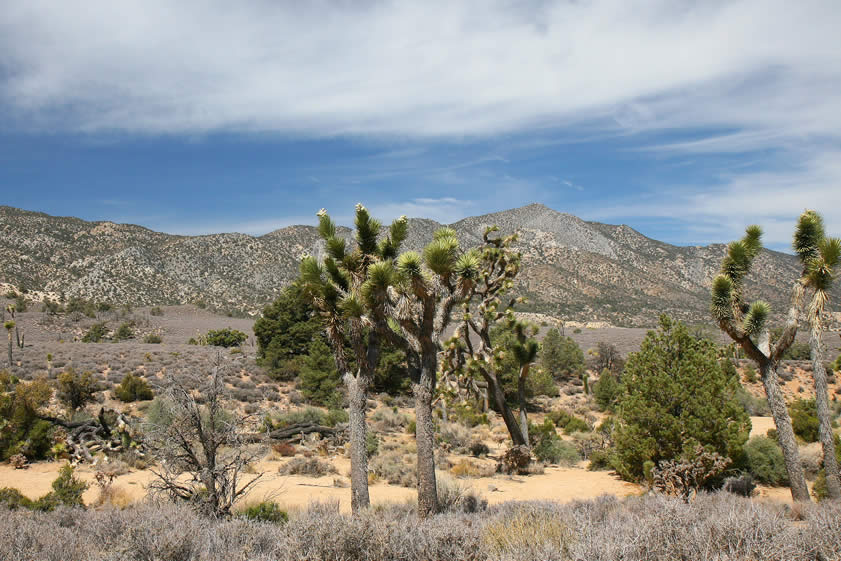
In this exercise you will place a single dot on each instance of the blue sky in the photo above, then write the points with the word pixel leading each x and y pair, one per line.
pixel 685 120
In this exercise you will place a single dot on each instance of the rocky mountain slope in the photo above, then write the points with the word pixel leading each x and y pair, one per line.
pixel 573 269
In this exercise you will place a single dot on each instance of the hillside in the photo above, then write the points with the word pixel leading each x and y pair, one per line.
pixel 573 269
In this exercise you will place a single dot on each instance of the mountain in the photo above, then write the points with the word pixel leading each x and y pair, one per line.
pixel 572 269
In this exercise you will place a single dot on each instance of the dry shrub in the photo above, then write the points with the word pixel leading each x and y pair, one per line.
pixel 388 420
pixel 113 495
pixel 284 449
pixel 455 437
pixel 311 467
pixel 466 468
pixel 516 460
pixel 514 533
pixel 395 468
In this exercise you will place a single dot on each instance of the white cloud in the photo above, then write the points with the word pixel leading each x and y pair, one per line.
pixel 772 199
pixel 445 210
pixel 421 69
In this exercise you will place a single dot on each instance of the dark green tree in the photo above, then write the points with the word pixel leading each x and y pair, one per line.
pixel 286 329
pixel 76 390
pixel 225 337
pixel 675 397
pixel 607 390
pixel 561 356
pixel 133 388
pixel 319 379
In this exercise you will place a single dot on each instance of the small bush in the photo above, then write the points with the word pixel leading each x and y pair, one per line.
pixel 479 449
pixel 95 334
pixel 133 388
pixel 392 467
pixel 804 419
pixel 124 332
pixel 156 311
pixel 67 491
pixel 284 449
pixel 14 499
pixel 599 461
pixel 765 461
pixel 455 437
pixel 311 467
pixel 556 451
pixel 153 339
pixel 742 485
pixel 372 444
pixel 225 337
pixel 266 511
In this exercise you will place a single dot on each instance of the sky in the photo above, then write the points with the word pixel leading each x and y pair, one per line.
pixel 685 120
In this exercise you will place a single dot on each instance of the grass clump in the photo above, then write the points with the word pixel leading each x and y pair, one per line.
pixel 266 511
pixel 310 467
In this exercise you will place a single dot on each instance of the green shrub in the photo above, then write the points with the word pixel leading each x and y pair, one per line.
pixel 67 491
pixel 124 332
pixel 156 311
pixel 577 424
pixel 468 415
pixel 548 446
pixel 225 337
pixel 14 499
pixel 607 390
pixel 804 419
pixel 153 339
pixel 372 444
pixel 541 382
pixel 599 461
pixel 76 390
pixel 676 397
pixel 765 461
pixel 750 374
pixel 560 357
pixel 96 333
pixel 568 422
pixel 412 427
pixel 133 388
pixel 266 511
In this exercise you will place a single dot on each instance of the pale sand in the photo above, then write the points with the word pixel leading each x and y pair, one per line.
pixel 296 492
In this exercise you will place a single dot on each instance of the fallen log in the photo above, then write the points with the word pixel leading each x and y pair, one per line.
pixel 293 433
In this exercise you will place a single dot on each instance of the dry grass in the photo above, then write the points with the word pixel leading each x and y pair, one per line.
pixel 636 529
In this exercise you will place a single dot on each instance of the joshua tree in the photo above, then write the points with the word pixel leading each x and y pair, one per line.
pixel 820 255
pixel 471 353
pixel 747 325
pixel 412 303
pixel 9 325
pixel 335 288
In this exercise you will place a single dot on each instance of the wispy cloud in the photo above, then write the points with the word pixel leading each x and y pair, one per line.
pixel 421 69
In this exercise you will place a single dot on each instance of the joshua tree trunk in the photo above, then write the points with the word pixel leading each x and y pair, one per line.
pixel 357 391
pixel 10 349
pixel 521 394
pixel 424 390
pixel 833 484
pixel 785 433
pixel 507 415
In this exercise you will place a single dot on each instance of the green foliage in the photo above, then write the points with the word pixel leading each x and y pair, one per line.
pixel 607 390
pixel 96 333
pixel 804 419
pixel 319 380
pixel 13 499
pixel 133 388
pixel 541 382
pixel 124 332
pixel 225 337
pixel 372 444
pixel 153 339
pixel 81 306
pixel 311 415
pixel 21 431
pixel 548 446
pixel 675 397
pixel 750 374
pixel 67 491
pixel 561 357
pixel 156 311
pixel 286 329
pixel 765 462
pixel 266 511
pixel 568 422
pixel 76 390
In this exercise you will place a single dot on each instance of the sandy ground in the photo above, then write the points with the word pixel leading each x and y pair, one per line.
pixel 295 492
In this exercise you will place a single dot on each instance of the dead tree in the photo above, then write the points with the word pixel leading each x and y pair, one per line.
pixel 198 443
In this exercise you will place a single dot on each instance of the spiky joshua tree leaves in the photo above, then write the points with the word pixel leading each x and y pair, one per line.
pixel 413 299
pixel 470 353
pixel 338 289
pixel 747 324
pixel 820 256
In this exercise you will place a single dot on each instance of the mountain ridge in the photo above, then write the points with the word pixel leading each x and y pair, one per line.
pixel 572 269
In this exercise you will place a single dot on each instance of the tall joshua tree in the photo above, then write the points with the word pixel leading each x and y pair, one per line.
pixel 747 325
pixel 413 302
pixel 820 256
pixel 470 353
pixel 335 287
pixel 9 325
